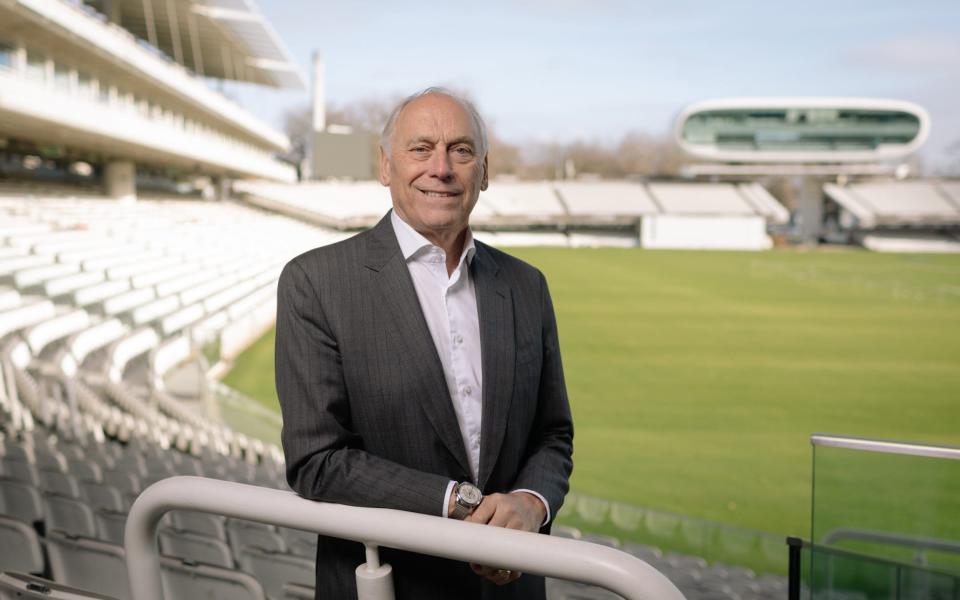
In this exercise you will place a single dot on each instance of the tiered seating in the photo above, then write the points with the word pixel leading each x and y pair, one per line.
pixel 564 213
pixel 692 575
pixel 901 216
pixel 102 306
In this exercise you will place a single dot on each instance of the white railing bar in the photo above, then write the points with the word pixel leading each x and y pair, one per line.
pixel 527 552
pixel 887 447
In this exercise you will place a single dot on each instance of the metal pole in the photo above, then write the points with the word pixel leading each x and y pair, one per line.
pixel 793 568
pixel 533 553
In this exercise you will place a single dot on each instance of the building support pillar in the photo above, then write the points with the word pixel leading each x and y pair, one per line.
pixel 810 210
pixel 120 180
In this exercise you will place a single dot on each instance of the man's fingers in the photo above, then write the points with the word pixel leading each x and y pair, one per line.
pixel 482 513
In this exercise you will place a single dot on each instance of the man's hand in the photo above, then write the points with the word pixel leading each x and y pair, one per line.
pixel 518 510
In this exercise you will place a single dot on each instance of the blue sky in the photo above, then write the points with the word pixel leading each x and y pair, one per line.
pixel 563 69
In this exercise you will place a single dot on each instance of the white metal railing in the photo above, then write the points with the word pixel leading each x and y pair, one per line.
pixel 885 446
pixel 494 546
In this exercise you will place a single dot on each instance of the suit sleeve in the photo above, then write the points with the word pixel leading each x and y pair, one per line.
pixel 549 457
pixel 325 459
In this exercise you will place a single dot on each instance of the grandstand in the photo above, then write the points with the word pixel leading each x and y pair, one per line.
pixel 124 90
pixel 900 216
pixel 565 213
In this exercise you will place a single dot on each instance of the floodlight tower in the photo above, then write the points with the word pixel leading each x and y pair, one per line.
pixel 815 139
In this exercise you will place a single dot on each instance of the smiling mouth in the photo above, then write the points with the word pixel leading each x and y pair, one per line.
pixel 431 194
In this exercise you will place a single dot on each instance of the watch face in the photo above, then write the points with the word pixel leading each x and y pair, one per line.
pixel 470 494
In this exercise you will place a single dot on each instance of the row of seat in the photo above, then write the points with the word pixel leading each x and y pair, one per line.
pixel 347 205
pixel 691 574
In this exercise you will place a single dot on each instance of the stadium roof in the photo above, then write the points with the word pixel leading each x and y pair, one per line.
pixel 223 39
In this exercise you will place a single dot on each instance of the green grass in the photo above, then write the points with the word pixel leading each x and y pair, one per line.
pixel 696 378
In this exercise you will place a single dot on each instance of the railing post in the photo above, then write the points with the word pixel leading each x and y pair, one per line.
pixel 374 580
pixel 793 568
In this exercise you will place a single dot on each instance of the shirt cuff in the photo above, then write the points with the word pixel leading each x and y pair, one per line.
pixel 446 499
pixel 546 504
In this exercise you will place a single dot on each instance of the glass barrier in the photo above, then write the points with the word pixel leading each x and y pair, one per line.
pixel 712 541
pixel 885 520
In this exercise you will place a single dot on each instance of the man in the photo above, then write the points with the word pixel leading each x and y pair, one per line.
pixel 417 368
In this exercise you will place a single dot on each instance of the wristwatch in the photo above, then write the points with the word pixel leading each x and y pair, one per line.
pixel 466 498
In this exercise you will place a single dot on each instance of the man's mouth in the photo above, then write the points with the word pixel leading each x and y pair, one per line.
pixel 432 194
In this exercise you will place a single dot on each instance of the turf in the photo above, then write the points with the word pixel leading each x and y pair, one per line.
pixel 696 378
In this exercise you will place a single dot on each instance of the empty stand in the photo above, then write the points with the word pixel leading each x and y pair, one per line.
pixel 899 203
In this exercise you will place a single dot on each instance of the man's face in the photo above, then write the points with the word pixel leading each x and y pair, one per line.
pixel 433 165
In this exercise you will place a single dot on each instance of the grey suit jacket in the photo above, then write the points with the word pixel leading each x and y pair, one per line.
pixel 367 416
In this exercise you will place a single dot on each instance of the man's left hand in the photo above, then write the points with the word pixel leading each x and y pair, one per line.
pixel 517 510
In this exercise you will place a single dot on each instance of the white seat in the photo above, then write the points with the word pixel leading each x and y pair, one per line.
pixel 88 564
pixel 195 547
pixel 19 547
pixel 183 580
pixel 274 570
pixel 20 501
pixel 69 515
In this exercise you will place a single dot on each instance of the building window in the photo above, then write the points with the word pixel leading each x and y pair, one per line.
pixel 61 77
pixel 85 84
pixel 36 65
pixel 7 55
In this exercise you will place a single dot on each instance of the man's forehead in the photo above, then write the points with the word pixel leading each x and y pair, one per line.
pixel 436 115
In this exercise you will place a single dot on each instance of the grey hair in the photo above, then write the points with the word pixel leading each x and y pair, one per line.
pixel 468 106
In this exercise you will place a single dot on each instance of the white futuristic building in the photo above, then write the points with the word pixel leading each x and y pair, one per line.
pixel 801 130
pixel 122 83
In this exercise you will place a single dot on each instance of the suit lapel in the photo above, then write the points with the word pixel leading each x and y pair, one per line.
pixel 497 348
pixel 399 296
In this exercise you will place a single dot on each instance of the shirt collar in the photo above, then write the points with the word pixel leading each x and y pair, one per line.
pixel 413 243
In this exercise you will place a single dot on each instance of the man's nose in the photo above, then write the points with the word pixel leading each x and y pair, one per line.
pixel 440 166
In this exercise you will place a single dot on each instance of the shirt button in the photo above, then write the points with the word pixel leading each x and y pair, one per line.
pixel 458 339
pixel 467 390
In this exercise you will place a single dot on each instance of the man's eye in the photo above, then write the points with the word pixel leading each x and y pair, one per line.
pixel 463 151
pixel 420 149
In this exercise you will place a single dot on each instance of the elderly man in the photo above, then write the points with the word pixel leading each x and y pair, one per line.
pixel 419 369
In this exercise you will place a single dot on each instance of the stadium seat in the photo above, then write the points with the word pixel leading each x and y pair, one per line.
pixel 195 547
pixel 18 470
pixel 185 580
pixel 19 547
pixel 110 525
pixel 69 515
pixel 89 564
pixel 250 534
pixel 196 522
pixel 293 591
pixel 20 586
pixel 299 543
pixel 274 570
pixel 85 470
pixel 99 495
pixel 20 501
pixel 55 482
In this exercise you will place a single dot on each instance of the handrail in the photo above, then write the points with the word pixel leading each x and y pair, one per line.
pixel 575 560
pixel 885 446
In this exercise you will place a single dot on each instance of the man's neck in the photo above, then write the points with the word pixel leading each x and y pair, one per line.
pixel 451 243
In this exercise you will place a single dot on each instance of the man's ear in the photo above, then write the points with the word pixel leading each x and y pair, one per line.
pixel 384 166
pixel 484 182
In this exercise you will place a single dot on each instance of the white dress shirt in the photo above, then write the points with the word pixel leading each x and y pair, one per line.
pixel 449 304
